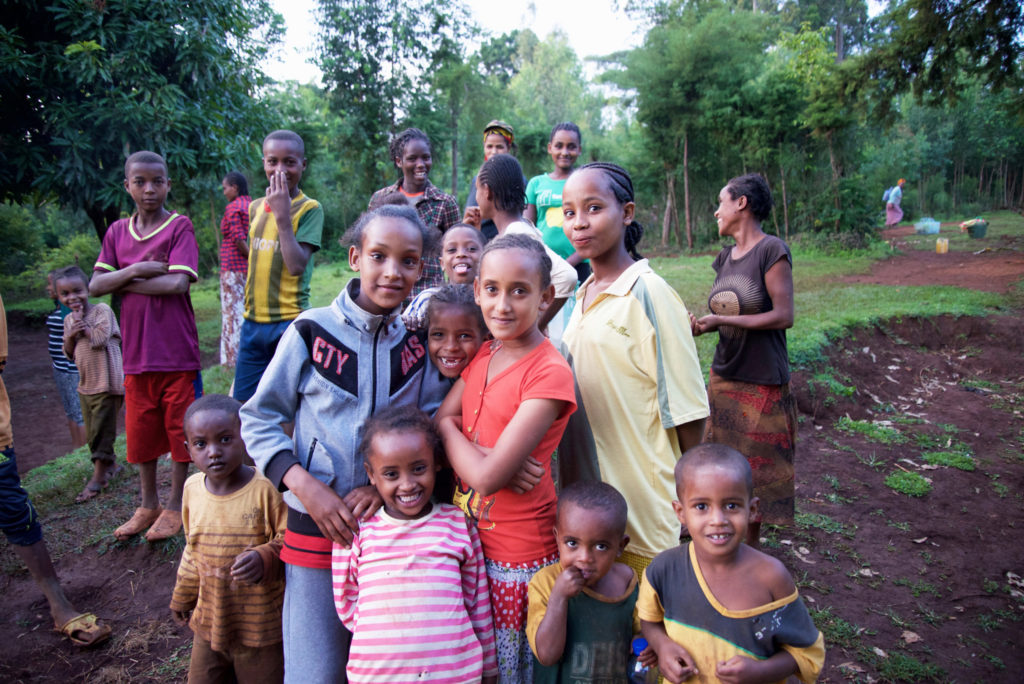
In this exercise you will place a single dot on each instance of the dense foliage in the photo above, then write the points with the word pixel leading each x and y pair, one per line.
pixel 831 104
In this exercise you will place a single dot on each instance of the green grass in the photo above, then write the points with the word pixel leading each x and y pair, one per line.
pixel 824 523
pixel 950 459
pixel 899 667
pixel 1002 225
pixel 910 484
pixel 876 433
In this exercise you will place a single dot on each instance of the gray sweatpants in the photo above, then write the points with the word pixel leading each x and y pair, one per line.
pixel 315 642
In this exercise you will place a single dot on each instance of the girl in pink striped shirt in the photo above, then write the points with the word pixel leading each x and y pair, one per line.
pixel 412 588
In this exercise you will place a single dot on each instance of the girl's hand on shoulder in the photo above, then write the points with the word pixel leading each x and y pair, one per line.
pixel 247 568
pixel 363 502
pixel 528 477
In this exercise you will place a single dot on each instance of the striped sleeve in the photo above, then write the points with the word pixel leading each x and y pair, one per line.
pixel 345 581
pixel 478 600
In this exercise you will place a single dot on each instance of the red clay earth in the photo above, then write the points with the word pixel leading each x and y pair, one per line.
pixel 928 582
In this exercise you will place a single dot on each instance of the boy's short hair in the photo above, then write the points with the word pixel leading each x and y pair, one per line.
pixel 290 136
pixel 353 237
pixel 68 273
pixel 596 496
pixel 527 244
pixel 237 179
pixel 212 402
pixel 400 419
pixel 143 157
pixel 716 455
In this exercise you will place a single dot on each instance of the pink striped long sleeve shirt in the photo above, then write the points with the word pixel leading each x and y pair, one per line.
pixel 414 594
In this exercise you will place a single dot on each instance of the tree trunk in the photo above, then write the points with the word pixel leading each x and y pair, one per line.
pixel 834 163
pixel 785 202
pixel 101 218
pixel 666 221
pixel 840 47
pixel 686 189
pixel 455 156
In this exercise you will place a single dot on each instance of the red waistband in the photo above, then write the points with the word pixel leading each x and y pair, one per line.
pixel 306 551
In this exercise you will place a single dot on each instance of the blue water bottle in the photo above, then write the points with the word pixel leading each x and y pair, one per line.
pixel 638 672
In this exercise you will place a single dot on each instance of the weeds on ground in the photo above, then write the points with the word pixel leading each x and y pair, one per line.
pixel 825 524
pixel 882 434
pixel 911 484
pixel 949 459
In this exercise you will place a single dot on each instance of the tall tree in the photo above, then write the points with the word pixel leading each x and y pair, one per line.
pixel 86 83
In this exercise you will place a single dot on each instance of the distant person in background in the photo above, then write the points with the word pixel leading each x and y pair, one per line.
pixel 893 212
pixel 498 139
pixel 65 373
pixel 751 303
pixel 234 264
pixel 20 524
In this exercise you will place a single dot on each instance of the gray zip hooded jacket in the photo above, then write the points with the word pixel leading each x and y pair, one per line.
pixel 334 367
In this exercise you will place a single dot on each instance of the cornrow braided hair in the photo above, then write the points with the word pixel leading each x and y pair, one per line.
pixel 397 147
pixel 567 126
pixel 461 296
pixel 621 186
pixel 504 176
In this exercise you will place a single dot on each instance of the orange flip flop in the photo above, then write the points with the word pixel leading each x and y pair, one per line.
pixel 140 520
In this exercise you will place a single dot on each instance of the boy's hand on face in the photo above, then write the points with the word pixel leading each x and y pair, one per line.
pixel 363 502
pixel 472 217
pixel 277 196
pixel 569 583
pixel 247 568
pixel 148 269
pixel 675 663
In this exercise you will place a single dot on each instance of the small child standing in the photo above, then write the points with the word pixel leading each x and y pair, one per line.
pixel 410 151
pixel 151 259
pixel 412 588
pixel 65 374
pixel 285 228
pixel 234 264
pixel 334 368
pixel 230 578
pixel 717 609
pixel 510 405
pixel 582 614
pixel 92 339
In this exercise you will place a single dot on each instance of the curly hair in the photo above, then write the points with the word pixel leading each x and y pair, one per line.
pixel 143 157
pixel 400 419
pixel 72 272
pixel 461 296
pixel 504 176
pixel 567 126
pixel 212 402
pixel 595 496
pixel 621 186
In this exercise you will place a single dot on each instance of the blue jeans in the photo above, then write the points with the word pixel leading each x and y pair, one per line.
pixel 256 346
pixel 315 642
pixel 18 518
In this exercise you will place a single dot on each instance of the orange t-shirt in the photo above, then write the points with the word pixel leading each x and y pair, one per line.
pixel 515 528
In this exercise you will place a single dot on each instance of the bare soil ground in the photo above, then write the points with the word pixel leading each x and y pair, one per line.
pixel 906 588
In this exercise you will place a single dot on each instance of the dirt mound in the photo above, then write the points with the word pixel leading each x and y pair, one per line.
pixel 993 271
pixel 914 588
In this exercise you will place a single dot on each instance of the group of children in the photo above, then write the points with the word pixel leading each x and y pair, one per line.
pixel 370 415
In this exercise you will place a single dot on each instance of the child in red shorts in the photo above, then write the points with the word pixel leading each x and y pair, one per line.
pixel 150 259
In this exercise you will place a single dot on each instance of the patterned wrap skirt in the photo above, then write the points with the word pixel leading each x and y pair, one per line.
pixel 759 421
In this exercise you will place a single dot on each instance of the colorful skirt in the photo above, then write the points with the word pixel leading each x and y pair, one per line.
pixel 759 421
pixel 509 601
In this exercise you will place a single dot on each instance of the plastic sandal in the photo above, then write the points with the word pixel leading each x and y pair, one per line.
pixel 84 630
